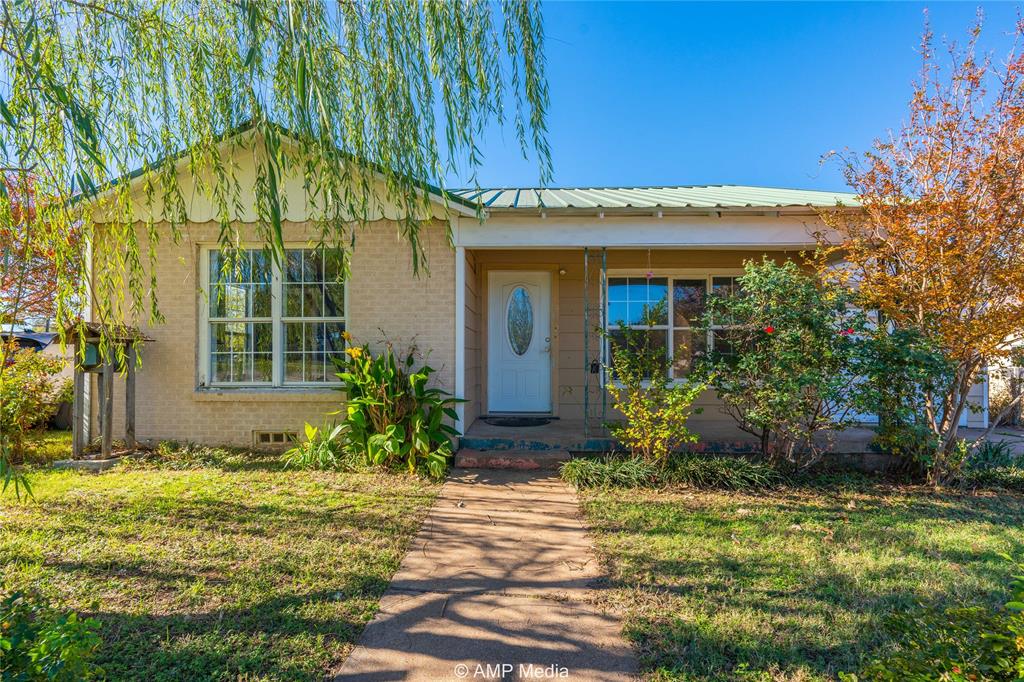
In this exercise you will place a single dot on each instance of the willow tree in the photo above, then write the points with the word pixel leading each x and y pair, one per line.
pixel 368 101
pixel 939 245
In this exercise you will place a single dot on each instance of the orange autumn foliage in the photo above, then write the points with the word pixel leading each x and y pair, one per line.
pixel 939 244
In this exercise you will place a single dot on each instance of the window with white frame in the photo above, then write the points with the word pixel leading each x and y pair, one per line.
pixel 274 324
pixel 664 313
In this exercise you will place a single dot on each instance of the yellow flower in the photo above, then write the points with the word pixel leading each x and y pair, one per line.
pixel 345 335
pixel 356 352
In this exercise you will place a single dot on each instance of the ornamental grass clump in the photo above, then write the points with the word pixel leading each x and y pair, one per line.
pixel 391 416
pixel 694 471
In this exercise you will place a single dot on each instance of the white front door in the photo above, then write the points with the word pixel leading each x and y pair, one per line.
pixel 519 341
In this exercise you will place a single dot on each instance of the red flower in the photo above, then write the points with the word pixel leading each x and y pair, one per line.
pixel 847 331
pixel 769 329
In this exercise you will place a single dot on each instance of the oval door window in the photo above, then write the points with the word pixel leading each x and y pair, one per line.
pixel 519 321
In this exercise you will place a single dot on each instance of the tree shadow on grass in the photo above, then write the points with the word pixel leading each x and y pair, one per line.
pixel 723 607
pixel 297 636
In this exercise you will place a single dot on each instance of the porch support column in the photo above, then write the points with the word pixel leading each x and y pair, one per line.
pixel 460 335
pixel 586 342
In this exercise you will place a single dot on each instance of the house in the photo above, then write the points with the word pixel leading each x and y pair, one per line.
pixel 511 311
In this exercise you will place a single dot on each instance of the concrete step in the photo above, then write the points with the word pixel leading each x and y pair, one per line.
pixel 511 459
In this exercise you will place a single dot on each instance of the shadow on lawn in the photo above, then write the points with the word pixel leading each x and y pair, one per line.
pixel 713 612
pixel 233 643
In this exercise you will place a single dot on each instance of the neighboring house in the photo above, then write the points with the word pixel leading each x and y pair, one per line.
pixel 510 314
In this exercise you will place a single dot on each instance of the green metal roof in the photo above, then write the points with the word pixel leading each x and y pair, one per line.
pixel 683 197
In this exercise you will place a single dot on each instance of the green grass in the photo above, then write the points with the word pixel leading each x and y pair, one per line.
pixel 792 584
pixel 46 446
pixel 214 567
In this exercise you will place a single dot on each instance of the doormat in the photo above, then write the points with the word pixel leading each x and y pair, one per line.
pixel 517 422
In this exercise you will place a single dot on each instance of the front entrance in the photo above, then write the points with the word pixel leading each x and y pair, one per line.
pixel 519 341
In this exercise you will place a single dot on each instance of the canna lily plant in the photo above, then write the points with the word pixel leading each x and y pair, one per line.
pixel 392 416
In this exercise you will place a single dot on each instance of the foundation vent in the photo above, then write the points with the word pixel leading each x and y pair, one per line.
pixel 272 438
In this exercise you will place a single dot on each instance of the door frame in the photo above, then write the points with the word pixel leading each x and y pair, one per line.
pixel 485 270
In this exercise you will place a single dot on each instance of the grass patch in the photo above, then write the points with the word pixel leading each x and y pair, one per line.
pixel 792 584
pixel 207 564
pixel 698 471
pixel 46 446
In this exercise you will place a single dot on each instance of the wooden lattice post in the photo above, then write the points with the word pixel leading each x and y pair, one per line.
pixel 107 406
pixel 78 436
pixel 129 398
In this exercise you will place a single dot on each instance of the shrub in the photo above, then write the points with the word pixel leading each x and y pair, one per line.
pixel 29 395
pixel 902 368
pixel 722 473
pixel 956 644
pixel 38 642
pixel 994 464
pixel 994 454
pixel 322 449
pixel 697 471
pixel 610 472
pixel 655 408
pixel 391 415
pixel 786 375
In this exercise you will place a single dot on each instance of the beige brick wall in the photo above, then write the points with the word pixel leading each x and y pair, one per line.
pixel 383 295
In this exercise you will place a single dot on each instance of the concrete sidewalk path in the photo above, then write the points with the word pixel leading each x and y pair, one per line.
pixel 497 585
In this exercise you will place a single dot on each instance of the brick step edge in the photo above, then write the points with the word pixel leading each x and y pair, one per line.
pixel 510 459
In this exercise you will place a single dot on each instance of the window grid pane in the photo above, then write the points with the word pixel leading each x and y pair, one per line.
pixel 242 317
pixel 637 302
pixel 313 316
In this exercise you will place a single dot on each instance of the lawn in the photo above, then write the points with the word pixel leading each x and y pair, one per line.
pixel 794 584
pixel 214 565
pixel 43 447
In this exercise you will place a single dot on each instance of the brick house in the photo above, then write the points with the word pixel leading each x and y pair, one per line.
pixel 510 311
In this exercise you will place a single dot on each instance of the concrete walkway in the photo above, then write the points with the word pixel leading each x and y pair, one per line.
pixel 496 586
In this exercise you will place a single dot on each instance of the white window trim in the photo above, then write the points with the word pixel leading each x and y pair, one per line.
pixel 672 274
pixel 204 359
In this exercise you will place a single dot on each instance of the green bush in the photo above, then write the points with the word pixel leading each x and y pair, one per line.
pixel 392 417
pixel 901 369
pixel 723 473
pixel 610 472
pixel 655 408
pixel 38 642
pixel 29 395
pixel 956 644
pixel 322 449
pixel 785 347
pixel 697 471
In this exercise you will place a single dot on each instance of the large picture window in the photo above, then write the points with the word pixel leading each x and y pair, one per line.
pixel 665 312
pixel 271 324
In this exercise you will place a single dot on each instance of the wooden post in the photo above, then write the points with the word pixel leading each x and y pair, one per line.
pixel 78 413
pixel 129 399
pixel 107 405
pixel 98 431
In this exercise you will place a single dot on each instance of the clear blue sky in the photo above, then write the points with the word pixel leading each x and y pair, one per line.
pixel 661 93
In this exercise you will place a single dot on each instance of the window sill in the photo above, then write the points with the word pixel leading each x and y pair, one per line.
pixel 267 395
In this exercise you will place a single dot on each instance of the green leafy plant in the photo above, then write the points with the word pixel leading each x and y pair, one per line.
pixel 322 448
pixel 696 471
pixel 391 415
pixel 656 408
pixel 902 370
pixel 29 395
pixel 38 642
pixel 958 644
pixel 788 376
pixel 994 454
pixel 610 472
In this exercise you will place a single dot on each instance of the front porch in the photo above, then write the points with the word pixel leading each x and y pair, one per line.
pixel 572 436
